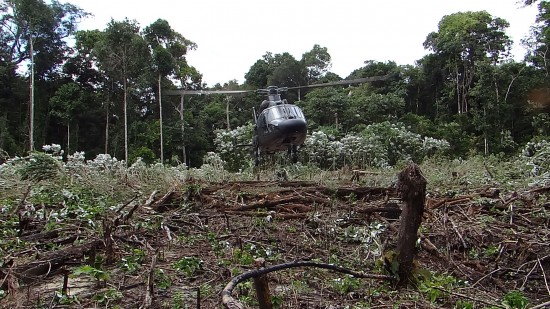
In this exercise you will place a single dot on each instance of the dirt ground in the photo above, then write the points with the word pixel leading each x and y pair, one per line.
pixel 181 248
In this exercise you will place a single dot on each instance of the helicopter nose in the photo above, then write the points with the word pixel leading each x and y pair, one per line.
pixel 290 126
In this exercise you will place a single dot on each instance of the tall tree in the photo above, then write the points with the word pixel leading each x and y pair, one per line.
pixel 464 40
pixel 317 62
pixel 169 49
pixel 34 31
pixel 538 42
pixel 124 55
pixel 281 70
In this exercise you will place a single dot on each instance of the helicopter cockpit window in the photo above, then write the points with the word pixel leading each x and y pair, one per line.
pixel 294 112
pixel 275 112
pixel 284 112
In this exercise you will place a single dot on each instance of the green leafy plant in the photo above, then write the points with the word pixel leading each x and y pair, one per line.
pixel 162 280
pixel 490 251
pixel 108 297
pixel 515 300
pixel 100 275
pixel 189 265
pixel 346 284
pixel 277 301
pixel 178 301
pixel 132 263
pixel 435 285
pixel 243 257
pixel 462 304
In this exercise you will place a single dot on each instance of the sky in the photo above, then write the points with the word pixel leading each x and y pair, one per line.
pixel 232 35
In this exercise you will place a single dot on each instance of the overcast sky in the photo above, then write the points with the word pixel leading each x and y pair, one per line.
pixel 232 35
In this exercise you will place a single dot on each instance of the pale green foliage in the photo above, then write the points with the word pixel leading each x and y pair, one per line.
pixel 434 285
pixel 83 188
pixel 42 166
pixel 234 157
pixel 322 149
pixel 537 156
pixel 212 169
pixel 534 160
pixel 379 145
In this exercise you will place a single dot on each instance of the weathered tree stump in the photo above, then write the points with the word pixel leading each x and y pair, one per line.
pixel 261 285
pixel 411 186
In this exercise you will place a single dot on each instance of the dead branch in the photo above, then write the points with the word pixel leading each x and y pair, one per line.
pixel 477 299
pixel 52 261
pixel 282 216
pixel 269 203
pixel 229 302
pixel 22 201
pixel 150 293
pixel 160 203
pixel 543 305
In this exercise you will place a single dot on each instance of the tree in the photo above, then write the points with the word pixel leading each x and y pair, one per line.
pixel 169 49
pixel 464 40
pixel 326 107
pixel 123 54
pixel 538 42
pixel 281 70
pixel 317 63
pixel 66 104
pixel 35 31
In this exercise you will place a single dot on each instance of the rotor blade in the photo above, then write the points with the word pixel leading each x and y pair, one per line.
pixel 346 82
pixel 199 92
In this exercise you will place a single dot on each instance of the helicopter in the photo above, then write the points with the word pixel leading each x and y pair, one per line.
pixel 278 124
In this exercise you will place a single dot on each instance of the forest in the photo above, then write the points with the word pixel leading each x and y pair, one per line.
pixel 103 92
pixel 116 194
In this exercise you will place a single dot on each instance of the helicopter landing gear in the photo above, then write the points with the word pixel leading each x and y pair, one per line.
pixel 293 153
pixel 256 152
pixel 257 156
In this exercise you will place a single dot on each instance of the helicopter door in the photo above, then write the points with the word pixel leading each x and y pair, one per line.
pixel 262 125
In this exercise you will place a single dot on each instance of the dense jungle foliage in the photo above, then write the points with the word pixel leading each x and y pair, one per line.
pixel 100 91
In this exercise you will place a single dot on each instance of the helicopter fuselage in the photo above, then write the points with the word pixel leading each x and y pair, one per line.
pixel 280 126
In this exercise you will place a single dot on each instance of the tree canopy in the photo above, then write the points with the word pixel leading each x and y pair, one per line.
pixel 101 90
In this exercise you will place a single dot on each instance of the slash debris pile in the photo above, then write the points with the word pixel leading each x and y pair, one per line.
pixel 178 249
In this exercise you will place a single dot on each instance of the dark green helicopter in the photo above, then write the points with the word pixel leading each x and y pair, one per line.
pixel 279 125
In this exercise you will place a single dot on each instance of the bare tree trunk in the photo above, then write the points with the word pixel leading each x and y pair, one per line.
pixel 160 120
pixel 68 137
pixel 180 111
pixel 31 103
pixel 459 106
pixel 107 127
pixel 125 120
pixel 227 112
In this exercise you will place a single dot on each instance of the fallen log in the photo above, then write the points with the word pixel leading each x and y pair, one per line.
pixel 49 262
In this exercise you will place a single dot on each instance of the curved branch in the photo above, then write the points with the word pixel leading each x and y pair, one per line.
pixel 229 302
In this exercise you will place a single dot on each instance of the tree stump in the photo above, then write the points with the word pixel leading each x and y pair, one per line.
pixel 411 186
pixel 261 284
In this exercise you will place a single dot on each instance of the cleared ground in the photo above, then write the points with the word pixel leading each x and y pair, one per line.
pixel 180 248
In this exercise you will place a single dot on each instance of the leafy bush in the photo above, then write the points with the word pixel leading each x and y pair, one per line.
pixel 537 156
pixel 229 147
pixel 146 155
pixel 40 166
pixel 379 145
